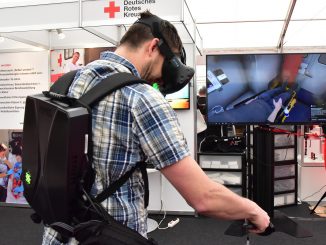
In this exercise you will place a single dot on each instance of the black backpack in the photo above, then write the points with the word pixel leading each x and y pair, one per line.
pixel 57 168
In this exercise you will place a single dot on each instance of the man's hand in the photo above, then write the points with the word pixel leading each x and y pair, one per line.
pixel 260 219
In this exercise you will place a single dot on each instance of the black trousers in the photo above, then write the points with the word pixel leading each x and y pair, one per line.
pixel 3 194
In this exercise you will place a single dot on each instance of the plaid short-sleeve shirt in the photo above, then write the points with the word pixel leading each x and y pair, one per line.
pixel 133 124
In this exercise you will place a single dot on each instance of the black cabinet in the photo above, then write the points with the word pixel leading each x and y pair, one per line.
pixel 274 167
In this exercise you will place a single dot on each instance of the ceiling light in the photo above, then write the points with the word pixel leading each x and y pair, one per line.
pixel 2 39
pixel 61 35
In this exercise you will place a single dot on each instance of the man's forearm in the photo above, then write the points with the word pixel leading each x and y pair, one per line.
pixel 225 204
pixel 210 198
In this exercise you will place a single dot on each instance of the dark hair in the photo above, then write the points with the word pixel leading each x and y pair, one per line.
pixel 2 148
pixel 202 90
pixel 138 33
pixel 16 146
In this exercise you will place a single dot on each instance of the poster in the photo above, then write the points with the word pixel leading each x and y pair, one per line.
pixel 21 74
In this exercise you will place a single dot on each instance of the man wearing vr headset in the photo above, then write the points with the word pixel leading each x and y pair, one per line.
pixel 136 123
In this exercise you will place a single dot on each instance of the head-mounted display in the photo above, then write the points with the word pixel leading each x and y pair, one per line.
pixel 175 73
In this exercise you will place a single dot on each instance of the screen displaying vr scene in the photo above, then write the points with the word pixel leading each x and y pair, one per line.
pixel 180 100
pixel 266 88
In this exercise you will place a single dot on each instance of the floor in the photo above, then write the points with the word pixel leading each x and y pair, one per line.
pixel 16 228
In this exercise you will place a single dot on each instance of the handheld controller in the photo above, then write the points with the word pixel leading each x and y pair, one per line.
pixel 269 230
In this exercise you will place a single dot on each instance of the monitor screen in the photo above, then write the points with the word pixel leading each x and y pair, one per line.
pixel 180 100
pixel 266 89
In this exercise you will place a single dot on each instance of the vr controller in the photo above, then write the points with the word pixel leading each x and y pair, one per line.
pixel 269 230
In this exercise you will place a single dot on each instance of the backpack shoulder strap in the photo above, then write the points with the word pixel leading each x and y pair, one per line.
pixel 118 183
pixel 61 86
pixel 103 88
pixel 108 85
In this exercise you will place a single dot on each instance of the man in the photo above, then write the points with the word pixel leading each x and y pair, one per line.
pixel 72 65
pixel 136 123
pixel 201 100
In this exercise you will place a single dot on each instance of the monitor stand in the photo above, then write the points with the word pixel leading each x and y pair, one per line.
pixel 323 196
pixel 263 189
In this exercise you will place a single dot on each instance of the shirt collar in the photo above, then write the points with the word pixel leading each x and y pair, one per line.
pixel 110 56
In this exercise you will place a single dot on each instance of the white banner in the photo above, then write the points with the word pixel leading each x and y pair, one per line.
pixel 104 12
pixel 21 74
pixel 13 3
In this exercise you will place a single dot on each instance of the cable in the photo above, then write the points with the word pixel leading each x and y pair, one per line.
pixel 162 205
pixel 159 224
pixel 288 144
pixel 171 224
pixel 162 209
pixel 201 142
pixel 314 193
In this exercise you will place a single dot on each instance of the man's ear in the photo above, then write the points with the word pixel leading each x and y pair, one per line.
pixel 153 46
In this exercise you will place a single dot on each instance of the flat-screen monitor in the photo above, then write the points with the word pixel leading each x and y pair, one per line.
pixel 266 88
pixel 180 100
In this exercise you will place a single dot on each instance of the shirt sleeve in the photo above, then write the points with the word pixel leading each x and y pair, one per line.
pixel 158 130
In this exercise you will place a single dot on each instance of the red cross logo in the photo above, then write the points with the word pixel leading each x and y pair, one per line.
pixel 112 9
pixel 60 60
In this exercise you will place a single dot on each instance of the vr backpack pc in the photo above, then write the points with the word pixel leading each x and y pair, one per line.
pixel 57 172
pixel 57 154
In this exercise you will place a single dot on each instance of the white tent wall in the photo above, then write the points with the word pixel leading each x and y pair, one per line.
pixel 274 25
pixel 32 15
pixel 32 26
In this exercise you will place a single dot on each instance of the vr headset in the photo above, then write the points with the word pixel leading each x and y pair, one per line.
pixel 175 73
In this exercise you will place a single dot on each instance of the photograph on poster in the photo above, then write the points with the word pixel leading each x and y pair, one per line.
pixel 65 60
pixel 11 185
